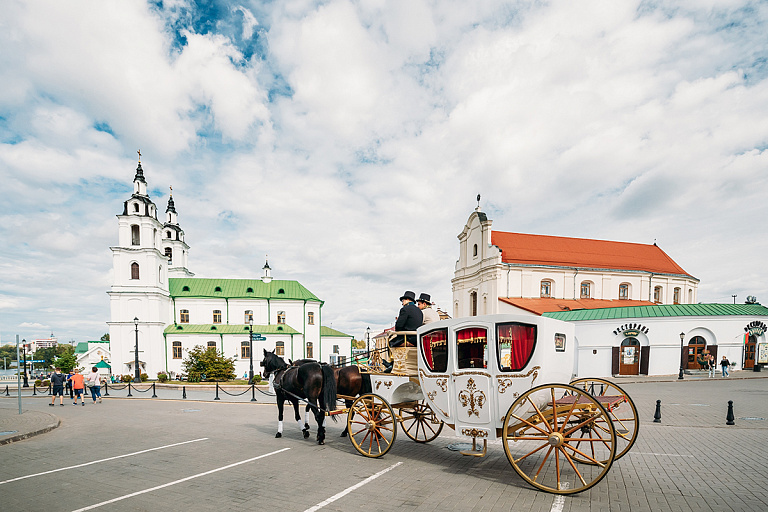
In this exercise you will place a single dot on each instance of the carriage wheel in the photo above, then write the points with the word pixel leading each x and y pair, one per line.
pixel 420 422
pixel 623 414
pixel 542 438
pixel 372 425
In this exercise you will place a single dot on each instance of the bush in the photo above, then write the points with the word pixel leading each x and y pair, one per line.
pixel 144 377
pixel 208 364
pixel 257 378
pixel 46 383
pixel 126 378
pixel 162 376
pixel 38 383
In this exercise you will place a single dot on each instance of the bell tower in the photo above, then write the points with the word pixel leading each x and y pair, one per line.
pixel 175 248
pixel 139 297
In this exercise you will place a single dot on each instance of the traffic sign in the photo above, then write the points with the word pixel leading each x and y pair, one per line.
pixel 259 337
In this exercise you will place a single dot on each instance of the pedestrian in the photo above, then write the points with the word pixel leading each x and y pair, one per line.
pixel 78 386
pixel 57 383
pixel 725 363
pixel 69 384
pixel 424 304
pixel 94 382
pixel 712 365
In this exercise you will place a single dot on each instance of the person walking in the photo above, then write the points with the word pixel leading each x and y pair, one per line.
pixel 94 383
pixel 69 384
pixel 78 386
pixel 57 386
pixel 725 363
pixel 712 365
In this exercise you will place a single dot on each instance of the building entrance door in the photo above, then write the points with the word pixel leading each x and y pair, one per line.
pixel 749 352
pixel 629 358
pixel 696 348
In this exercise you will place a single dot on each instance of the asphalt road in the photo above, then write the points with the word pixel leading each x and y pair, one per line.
pixel 141 454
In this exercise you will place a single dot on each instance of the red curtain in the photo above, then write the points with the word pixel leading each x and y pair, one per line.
pixel 432 339
pixel 521 339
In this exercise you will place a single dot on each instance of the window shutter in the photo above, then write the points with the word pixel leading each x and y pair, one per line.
pixel 645 354
pixel 615 361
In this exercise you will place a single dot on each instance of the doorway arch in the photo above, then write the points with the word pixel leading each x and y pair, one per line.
pixel 629 359
pixel 696 347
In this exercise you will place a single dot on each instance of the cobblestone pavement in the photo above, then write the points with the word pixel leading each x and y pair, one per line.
pixel 147 454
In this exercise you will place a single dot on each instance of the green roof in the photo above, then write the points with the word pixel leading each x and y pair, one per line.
pixel 327 331
pixel 102 364
pixel 228 329
pixel 665 310
pixel 238 289
pixel 82 347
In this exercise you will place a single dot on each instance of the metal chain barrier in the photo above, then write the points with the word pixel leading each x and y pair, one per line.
pixel 236 394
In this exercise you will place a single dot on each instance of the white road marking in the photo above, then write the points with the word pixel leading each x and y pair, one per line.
pixel 102 460
pixel 559 503
pixel 131 495
pixel 349 489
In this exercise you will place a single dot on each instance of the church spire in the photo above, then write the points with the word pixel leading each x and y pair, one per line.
pixel 267 277
pixel 171 205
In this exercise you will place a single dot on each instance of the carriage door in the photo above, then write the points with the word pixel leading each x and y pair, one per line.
pixel 696 348
pixel 629 360
pixel 472 381
pixel 434 381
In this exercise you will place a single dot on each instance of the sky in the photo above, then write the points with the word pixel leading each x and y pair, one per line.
pixel 347 140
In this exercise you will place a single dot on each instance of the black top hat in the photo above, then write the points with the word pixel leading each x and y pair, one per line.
pixel 409 295
pixel 424 297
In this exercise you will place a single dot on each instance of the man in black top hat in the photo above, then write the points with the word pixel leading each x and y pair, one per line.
pixel 410 318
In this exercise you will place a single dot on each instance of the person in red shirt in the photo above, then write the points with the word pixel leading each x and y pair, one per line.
pixel 78 385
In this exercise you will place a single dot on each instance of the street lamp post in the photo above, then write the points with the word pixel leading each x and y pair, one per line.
pixel 24 354
pixel 250 349
pixel 368 342
pixel 682 338
pixel 137 372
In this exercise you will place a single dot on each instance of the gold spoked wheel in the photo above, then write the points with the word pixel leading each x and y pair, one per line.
pixel 621 411
pixel 372 425
pixel 419 422
pixel 543 440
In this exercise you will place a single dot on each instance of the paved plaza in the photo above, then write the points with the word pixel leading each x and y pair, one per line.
pixel 142 454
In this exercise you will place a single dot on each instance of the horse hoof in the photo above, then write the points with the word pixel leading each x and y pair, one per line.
pixel 306 433
pixel 343 434
pixel 278 435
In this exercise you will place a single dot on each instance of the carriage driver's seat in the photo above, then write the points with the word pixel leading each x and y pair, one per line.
pixel 404 358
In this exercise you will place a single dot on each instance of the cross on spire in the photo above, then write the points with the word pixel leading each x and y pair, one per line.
pixel 139 152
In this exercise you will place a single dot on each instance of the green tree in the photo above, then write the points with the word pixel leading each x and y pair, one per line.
pixel 65 362
pixel 105 337
pixel 208 362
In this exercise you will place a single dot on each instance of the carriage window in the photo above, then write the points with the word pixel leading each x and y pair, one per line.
pixel 515 345
pixel 472 348
pixel 434 347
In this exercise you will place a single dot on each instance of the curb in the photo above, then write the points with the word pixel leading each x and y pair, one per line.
pixel 27 435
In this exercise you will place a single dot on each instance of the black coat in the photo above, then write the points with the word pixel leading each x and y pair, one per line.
pixel 410 318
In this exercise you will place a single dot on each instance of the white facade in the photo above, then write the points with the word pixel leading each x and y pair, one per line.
pixel 151 256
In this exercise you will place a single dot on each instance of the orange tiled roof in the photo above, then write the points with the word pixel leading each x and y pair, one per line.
pixel 583 253
pixel 540 306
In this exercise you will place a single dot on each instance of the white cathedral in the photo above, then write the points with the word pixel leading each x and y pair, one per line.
pixel 158 304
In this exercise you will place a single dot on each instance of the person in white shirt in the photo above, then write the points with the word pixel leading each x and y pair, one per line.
pixel 95 388
pixel 424 304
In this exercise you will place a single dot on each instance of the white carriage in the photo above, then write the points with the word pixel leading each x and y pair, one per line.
pixel 501 377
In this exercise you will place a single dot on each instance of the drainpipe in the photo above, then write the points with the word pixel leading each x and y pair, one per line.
pixel 227 301
pixel 165 343
pixel 650 287
pixel 509 268
pixel 574 283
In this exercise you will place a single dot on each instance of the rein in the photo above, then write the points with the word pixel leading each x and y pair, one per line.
pixel 277 384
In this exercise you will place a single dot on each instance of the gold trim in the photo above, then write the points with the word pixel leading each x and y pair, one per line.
pixel 506 381
pixel 442 384
pixel 432 395
pixel 472 397
pixel 432 376
pixel 474 432
pixel 484 374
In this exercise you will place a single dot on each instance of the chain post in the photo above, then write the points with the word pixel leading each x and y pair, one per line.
pixel 217 392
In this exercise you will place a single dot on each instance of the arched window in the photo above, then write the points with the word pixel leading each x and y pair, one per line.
pixel 474 250
pixel 217 316
pixel 136 207
pixel 249 290
pixel 310 318
pixel 169 254
pixel 183 316
pixel 160 274
pixel 310 351
pixel 546 288
pixel 212 344
pixel 676 296
pixel 217 289
pixel 167 234
pixel 185 288
pixel 248 316
pixel 245 349
pixel 657 294
pixel 690 296
pixel 624 291
pixel 281 317
pixel 134 270
pixel 473 304
pixel 135 238
pixel 177 350
pixel 154 237
pixel 586 290
pixel 281 291
pixel 280 348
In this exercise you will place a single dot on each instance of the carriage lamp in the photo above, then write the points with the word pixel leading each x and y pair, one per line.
pixel 137 372
pixel 682 338
pixel 250 348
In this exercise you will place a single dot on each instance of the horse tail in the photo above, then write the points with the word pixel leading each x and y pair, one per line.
pixel 329 388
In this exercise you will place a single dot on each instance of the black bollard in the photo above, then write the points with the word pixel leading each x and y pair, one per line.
pixel 184 392
pixel 217 392
pixel 729 416
pixel 129 388
pixel 50 389
pixel 106 388
pixel 253 392
pixel 6 391
pixel 34 391
pixel 657 414
pixel 153 391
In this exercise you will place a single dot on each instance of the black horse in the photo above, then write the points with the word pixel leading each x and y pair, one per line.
pixel 310 381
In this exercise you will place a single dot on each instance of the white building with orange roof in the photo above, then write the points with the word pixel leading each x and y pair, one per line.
pixel 635 309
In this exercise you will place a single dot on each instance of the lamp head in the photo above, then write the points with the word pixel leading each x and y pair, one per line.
pixel 682 336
